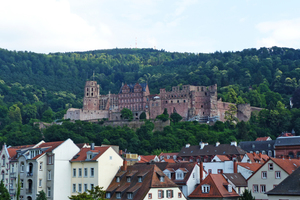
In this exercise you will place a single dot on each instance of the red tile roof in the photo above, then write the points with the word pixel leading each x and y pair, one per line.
pixel 82 154
pixel 260 158
pixel 250 166
pixel 217 188
pixel 145 159
pixel 263 139
pixel 223 157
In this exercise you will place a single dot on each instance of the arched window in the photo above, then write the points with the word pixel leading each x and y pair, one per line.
pixel 3 160
pixel 22 166
pixel 291 154
pixel 2 175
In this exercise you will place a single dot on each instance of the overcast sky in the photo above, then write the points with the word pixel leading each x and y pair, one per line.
pixel 45 26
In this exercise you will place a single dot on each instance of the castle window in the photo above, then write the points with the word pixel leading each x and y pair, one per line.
pixel 183 101
pixel 205 93
pixel 201 106
pixel 177 101
pixel 166 101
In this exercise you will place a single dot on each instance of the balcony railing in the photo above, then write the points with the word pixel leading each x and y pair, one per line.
pixel 29 174
pixel 13 175
pixel 12 191
pixel 28 191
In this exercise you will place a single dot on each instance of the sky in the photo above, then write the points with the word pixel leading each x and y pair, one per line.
pixel 196 26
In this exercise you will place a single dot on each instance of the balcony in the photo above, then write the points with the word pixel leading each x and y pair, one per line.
pixel 12 191
pixel 13 175
pixel 29 174
pixel 28 191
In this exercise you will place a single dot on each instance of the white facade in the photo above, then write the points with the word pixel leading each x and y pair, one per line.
pixel 156 194
pixel 246 173
pixel 193 181
pixel 218 167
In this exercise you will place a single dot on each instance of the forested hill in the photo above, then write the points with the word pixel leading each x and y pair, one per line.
pixel 40 87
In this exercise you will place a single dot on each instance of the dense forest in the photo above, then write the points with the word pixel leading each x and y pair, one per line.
pixel 40 87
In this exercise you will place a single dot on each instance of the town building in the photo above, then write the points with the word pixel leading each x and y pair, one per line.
pixel 214 186
pixel 255 158
pixel 263 147
pixel 287 147
pixel 198 103
pixel 238 182
pixel 93 166
pixel 205 153
pixel 142 182
pixel 247 169
pixel 288 188
pixel 269 175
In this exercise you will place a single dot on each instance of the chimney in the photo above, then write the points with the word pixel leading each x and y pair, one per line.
pixel 187 145
pixel 235 166
pixel 92 146
pixel 124 167
pixel 202 144
pixel 201 171
pixel 233 143
pixel 217 144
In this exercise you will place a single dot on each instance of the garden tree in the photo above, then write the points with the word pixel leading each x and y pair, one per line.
pixel 230 114
pixel 126 114
pixel 41 195
pixel 175 117
pixel 96 193
pixel 4 194
pixel 247 195
pixel 143 115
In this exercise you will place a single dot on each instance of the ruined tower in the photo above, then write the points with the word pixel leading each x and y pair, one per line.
pixel 91 96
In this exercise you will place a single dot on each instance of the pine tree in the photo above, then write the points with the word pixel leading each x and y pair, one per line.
pixel 41 195
pixel 247 196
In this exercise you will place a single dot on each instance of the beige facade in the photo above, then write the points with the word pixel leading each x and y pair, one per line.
pixel 89 173
pixel 156 194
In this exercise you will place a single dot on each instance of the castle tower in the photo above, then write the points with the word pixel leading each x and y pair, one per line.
pixel 91 96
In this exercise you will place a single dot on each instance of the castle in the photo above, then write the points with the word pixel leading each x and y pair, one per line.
pixel 198 103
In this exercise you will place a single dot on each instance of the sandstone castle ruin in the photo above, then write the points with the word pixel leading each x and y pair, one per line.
pixel 198 103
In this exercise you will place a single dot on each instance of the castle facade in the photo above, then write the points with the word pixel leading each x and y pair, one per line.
pixel 198 103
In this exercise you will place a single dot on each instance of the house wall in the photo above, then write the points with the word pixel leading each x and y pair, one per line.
pixel 270 181
pixel 41 173
pixel 4 168
pixel 193 181
pixel 226 166
pixel 62 169
pixel 154 192
pixel 109 164
pixel 246 173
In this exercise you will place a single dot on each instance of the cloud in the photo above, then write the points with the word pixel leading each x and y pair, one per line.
pixel 284 33
pixel 47 25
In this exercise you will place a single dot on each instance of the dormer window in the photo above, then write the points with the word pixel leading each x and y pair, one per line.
pixel 118 195
pixel 205 188
pixel 128 179
pixel 129 195
pixel 118 179
pixel 179 175
pixel 107 195
pixel 229 188
pixel 162 179
pixel 139 179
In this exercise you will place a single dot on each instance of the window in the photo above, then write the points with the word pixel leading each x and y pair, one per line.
pixel 262 188
pixel 229 188
pixel 85 187
pixel 118 195
pixel 118 179
pixel 49 175
pixel 277 174
pixel 179 195
pixel 74 172
pixel 92 186
pixel 209 171
pixel 139 179
pixel 74 188
pixel 40 182
pixel 270 166
pixel 79 187
pixel 150 196
pixel 85 172
pixel 48 191
pixel 107 195
pixel 264 175
pixel 110 157
pixel 3 160
pixel 160 194
pixel 129 195
pixel 220 171
pixel 128 179
pixel 79 172
pixel 255 188
pixel 205 188
pixel 179 175
pixel 92 172
pixel 22 183
pixel 50 160
pixel 41 166
pixel 2 174
pixel 22 167
pixel 162 179
pixel 169 193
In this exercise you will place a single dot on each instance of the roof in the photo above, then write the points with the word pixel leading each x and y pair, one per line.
pixel 131 87
pixel 145 159
pixel 149 180
pixel 260 158
pixel 223 157
pixel 287 141
pixel 187 168
pixel 167 154
pixel 49 146
pixel 263 138
pixel 222 149
pixel 250 166
pixel 218 189
pixel 82 154
pixel 289 186
pixel 257 145
pixel 236 178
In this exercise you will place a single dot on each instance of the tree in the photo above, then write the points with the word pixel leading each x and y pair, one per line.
pixel 143 115
pixel 96 193
pixel 230 114
pixel 18 186
pixel 175 117
pixel 247 196
pixel 163 117
pixel 41 195
pixel 4 195
pixel 126 114
pixel 296 99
